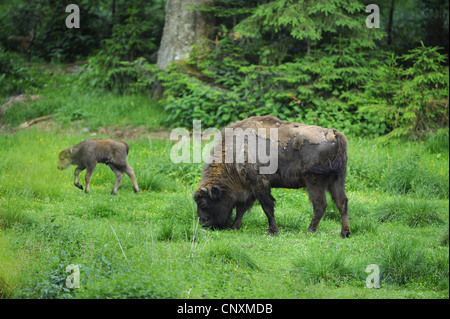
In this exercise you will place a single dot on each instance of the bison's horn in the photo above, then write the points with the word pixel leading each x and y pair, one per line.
pixel 203 189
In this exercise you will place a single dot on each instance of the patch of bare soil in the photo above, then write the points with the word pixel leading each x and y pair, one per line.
pixel 47 124
pixel 132 132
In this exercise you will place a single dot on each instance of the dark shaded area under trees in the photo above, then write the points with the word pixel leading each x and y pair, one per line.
pixel 308 61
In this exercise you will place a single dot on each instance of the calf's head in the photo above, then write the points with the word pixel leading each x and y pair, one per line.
pixel 214 207
pixel 64 160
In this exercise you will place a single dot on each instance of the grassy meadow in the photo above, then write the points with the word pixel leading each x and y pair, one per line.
pixel 151 246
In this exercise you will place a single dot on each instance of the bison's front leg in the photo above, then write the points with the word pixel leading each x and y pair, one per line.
pixel 89 172
pixel 240 211
pixel 78 170
pixel 268 205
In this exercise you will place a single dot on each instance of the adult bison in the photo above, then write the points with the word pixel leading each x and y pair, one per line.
pixel 307 156
pixel 86 155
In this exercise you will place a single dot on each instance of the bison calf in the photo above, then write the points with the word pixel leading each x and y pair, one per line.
pixel 307 156
pixel 86 155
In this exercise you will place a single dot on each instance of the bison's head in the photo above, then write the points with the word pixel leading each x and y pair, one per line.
pixel 64 160
pixel 214 208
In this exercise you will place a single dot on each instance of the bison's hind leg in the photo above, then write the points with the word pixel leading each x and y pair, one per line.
pixel 337 191
pixel 130 172
pixel 316 186
pixel 119 175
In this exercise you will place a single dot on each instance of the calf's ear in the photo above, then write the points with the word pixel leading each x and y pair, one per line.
pixel 215 192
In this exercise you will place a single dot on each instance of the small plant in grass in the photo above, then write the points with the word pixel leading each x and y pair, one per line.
pixel 330 266
pixel 229 253
pixel 413 212
pixel 13 214
pixel 443 239
pixel 401 262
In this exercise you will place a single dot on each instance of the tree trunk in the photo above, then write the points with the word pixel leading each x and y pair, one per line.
pixel 183 28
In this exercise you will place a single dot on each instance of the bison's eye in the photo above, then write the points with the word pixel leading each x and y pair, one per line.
pixel 202 204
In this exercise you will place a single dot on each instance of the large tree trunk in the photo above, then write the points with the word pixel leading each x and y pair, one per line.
pixel 183 28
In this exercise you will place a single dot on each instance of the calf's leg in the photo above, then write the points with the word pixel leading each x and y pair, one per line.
pixel 89 171
pixel 119 175
pixel 130 172
pixel 78 170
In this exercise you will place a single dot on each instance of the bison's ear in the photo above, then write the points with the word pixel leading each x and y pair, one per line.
pixel 215 193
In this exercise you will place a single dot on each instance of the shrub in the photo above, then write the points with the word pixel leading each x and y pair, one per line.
pixel 15 77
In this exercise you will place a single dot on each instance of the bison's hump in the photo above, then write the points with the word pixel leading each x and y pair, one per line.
pixel 287 131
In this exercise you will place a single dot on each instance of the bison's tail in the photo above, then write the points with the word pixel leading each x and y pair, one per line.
pixel 334 166
pixel 127 147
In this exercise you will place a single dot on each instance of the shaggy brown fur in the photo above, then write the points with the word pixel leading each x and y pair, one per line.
pixel 308 156
pixel 86 155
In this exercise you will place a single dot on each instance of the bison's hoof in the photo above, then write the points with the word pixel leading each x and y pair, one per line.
pixel 272 232
pixel 79 186
pixel 345 234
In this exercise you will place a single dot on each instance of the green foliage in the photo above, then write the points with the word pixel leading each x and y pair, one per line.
pixel 53 40
pixel 108 72
pixel 309 20
pixel 121 63
pixel 223 87
pixel 409 99
pixel 15 77
pixel 131 28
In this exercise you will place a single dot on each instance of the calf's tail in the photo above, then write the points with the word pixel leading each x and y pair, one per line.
pixel 127 147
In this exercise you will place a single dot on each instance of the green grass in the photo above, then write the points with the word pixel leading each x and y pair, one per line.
pixel 87 108
pixel 151 246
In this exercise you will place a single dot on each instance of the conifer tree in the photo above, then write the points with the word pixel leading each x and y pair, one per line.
pixel 311 21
